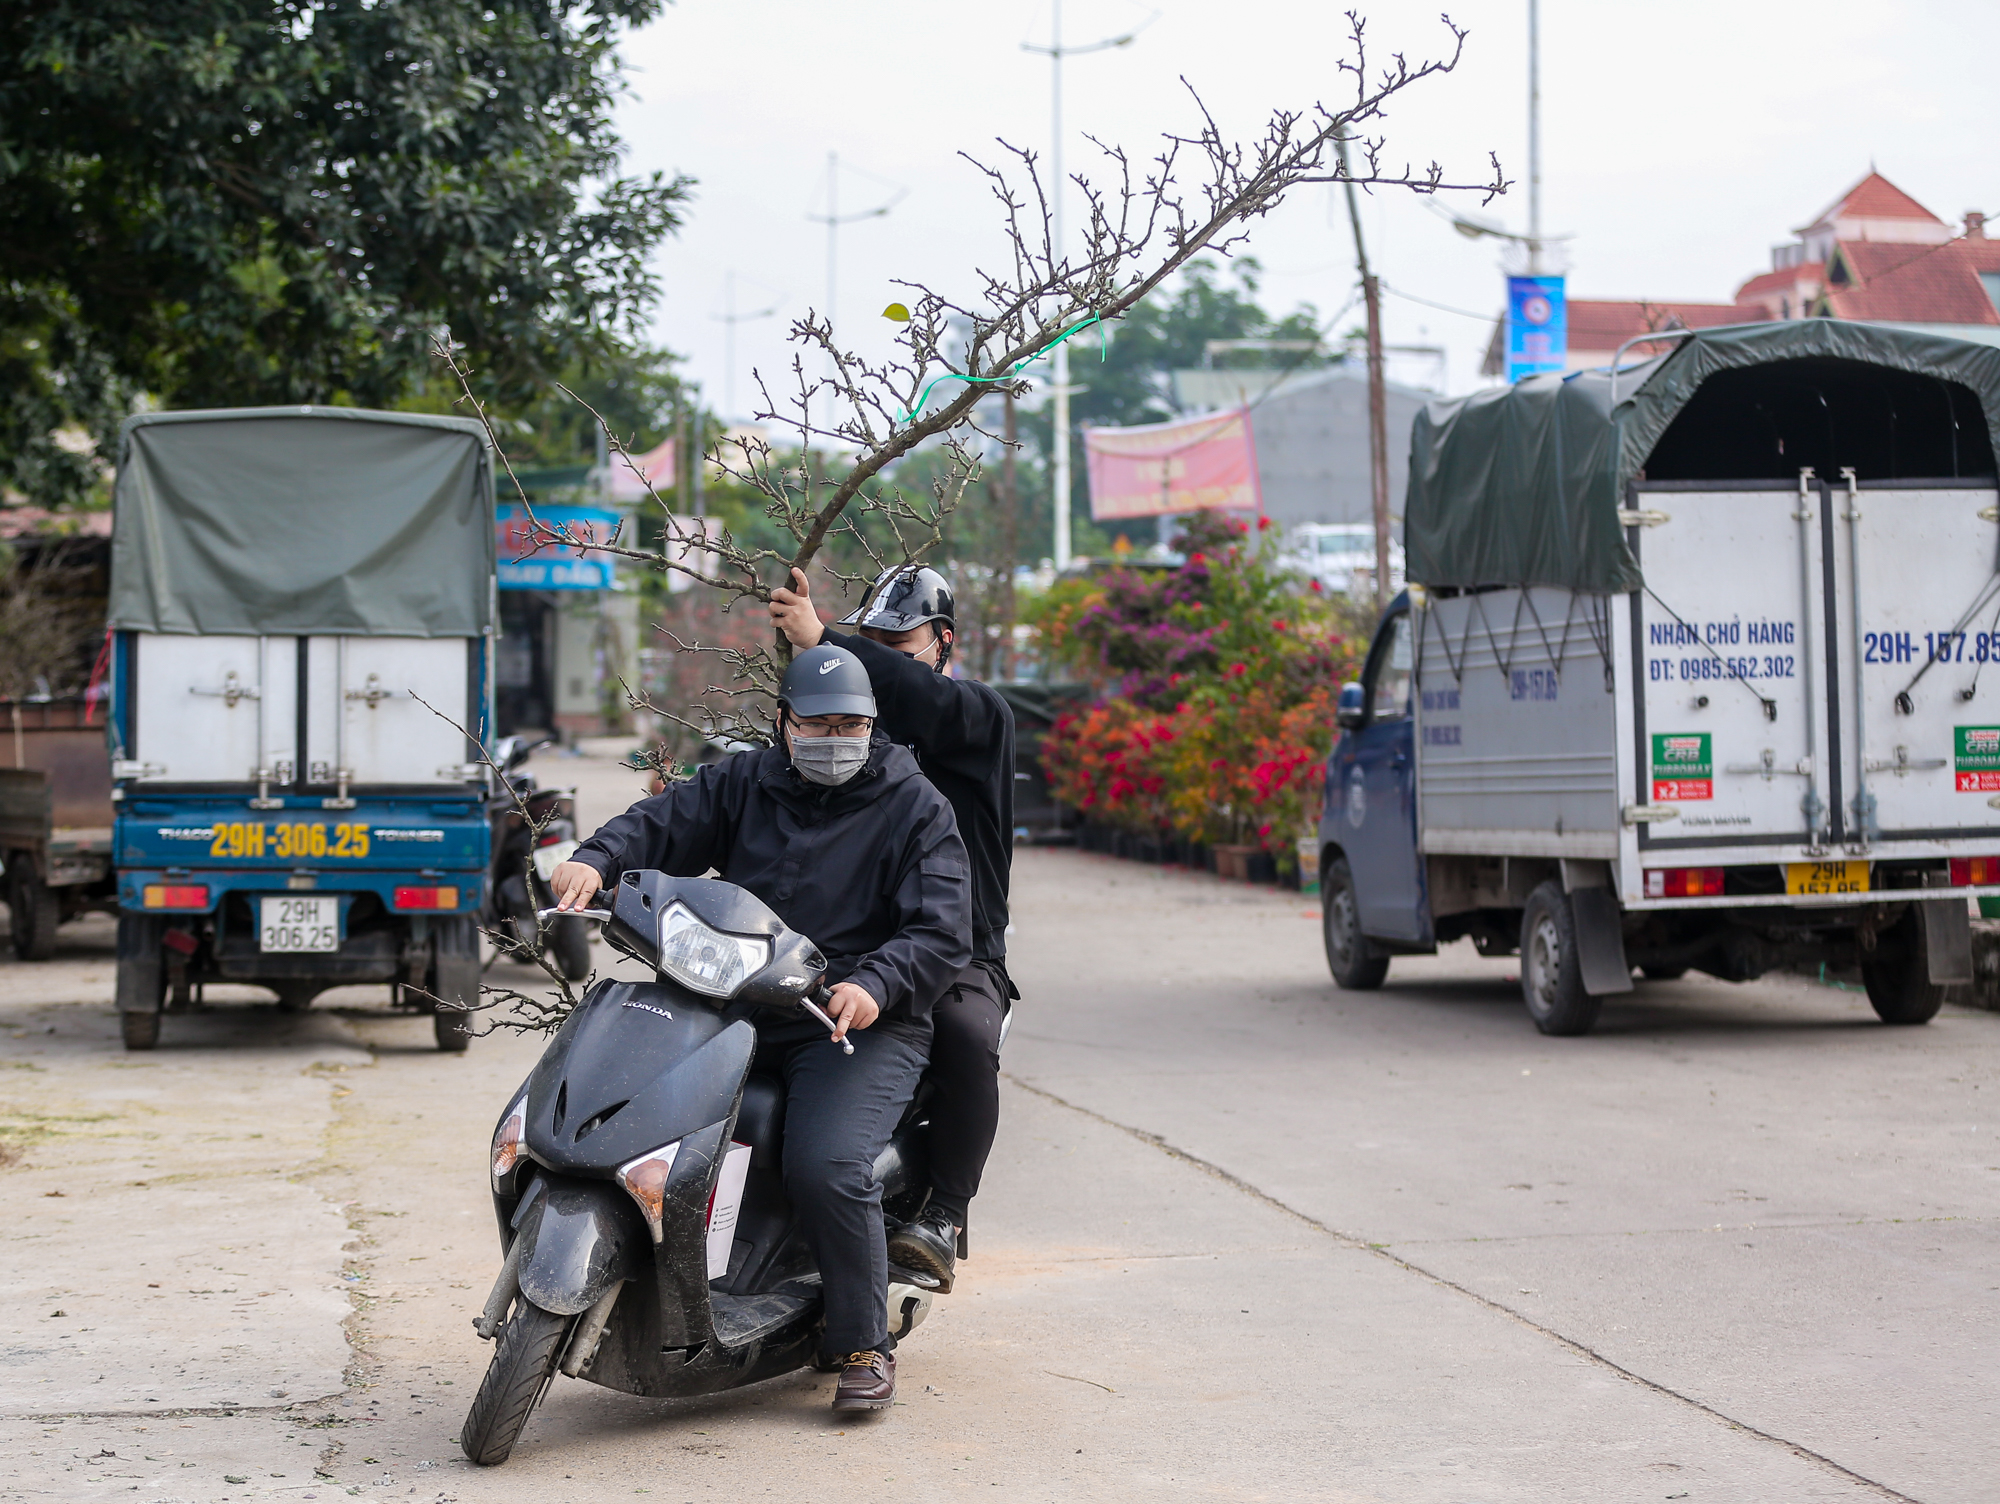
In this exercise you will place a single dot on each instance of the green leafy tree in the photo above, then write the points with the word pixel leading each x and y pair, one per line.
pixel 256 201
pixel 635 390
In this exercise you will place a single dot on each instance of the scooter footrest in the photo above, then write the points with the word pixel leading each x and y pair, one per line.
pixel 743 1319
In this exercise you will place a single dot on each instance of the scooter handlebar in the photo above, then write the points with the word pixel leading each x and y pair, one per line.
pixel 600 915
pixel 814 1005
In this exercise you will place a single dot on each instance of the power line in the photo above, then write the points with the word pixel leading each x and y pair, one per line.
pixel 1410 297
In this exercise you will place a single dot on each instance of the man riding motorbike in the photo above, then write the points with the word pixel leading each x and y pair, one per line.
pixel 837 830
pixel 963 735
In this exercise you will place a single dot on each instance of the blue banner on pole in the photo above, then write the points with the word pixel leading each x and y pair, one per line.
pixel 553 567
pixel 1537 327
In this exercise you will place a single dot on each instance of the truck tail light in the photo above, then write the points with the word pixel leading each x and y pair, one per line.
pixel 427 898
pixel 1684 882
pixel 175 896
pixel 1975 871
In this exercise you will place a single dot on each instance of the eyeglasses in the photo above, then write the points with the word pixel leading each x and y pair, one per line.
pixel 811 729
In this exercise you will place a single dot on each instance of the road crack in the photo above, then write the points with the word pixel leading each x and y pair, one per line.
pixel 1356 1244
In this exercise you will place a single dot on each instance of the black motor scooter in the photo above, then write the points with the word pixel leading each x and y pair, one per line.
pixel 534 832
pixel 636 1176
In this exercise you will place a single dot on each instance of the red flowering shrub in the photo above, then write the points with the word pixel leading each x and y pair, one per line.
pixel 1218 681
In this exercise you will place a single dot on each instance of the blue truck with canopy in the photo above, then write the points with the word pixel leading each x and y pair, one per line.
pixel 302 613
pixel 1690 675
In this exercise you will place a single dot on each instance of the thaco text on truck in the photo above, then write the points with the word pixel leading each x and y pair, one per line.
pixel 1699 669
pixel 302 614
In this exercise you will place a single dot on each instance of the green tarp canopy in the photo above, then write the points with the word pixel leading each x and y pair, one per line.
pixel 1522 485
pixel 292 520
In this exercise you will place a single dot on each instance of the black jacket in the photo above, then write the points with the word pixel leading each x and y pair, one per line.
pixel 873 870
pixel 963 735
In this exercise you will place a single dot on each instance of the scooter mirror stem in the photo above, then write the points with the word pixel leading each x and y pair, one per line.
pixel 600 915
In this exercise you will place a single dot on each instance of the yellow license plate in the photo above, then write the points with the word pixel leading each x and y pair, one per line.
pixel 1826 877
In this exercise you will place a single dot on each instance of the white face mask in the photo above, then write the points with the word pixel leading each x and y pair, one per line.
pixel 829 760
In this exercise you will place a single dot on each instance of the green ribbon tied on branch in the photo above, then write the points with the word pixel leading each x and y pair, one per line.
pixel 1103 352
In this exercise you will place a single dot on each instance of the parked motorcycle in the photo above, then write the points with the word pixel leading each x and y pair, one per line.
pixel 534 832
pixel 649 1245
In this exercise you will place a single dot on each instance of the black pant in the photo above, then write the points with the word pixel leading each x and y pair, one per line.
pixel 965 1070
pixel 840 1111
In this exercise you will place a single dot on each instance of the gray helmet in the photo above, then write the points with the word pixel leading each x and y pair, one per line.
pixel 827 681
pixel 904 598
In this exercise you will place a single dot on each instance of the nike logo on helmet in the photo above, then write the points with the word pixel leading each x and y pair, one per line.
pixel 830 665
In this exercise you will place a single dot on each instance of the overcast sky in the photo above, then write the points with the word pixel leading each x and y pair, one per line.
pixel 1681 140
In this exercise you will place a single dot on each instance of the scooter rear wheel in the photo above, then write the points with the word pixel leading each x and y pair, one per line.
pixel 524 1360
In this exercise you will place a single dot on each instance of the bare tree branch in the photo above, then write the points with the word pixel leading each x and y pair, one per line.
pixel 1201 192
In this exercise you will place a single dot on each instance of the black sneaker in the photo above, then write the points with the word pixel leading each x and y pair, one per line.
pixel 927 1246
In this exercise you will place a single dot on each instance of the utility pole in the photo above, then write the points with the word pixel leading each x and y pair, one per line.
pixel 1534 138
pixel 833 219
pixel 729 318
pixel 1378 410
pixel 1059 429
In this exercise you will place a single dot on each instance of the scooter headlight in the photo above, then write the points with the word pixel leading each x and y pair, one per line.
pixel 645 1181
pixel 705 960
pixel 507 1139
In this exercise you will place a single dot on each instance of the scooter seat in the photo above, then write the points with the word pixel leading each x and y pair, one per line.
pixel 760 1121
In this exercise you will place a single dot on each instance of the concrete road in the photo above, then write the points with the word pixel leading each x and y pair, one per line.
pixel 1244 1237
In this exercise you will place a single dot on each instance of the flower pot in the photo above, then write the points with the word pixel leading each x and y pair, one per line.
pixel 1232 863
pixel 1260 867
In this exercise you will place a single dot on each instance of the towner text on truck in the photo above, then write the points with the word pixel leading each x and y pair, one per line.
pixel 1699 668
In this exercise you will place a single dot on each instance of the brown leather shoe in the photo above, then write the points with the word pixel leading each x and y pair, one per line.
pixel 867 1382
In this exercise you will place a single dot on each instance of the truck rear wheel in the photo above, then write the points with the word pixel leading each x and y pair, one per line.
pixel 141 1031
pixel 142 979
pixel 1551 974
pixel 454 981
pixel 1348 956
pixel 33 909
pixel 1899 986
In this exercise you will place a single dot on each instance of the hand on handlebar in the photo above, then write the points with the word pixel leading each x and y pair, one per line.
pixel 573 883
pixel 850 1007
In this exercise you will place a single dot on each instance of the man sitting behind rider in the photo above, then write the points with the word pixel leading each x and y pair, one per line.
pixel 849 844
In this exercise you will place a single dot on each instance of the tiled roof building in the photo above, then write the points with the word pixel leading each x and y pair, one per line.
pixel 1873 254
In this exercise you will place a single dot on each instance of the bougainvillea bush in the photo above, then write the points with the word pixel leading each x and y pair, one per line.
pixel 1216 680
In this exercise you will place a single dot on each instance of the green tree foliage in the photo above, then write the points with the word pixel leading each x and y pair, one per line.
pixel 255 201
pixel 1133 382
pixel 633 387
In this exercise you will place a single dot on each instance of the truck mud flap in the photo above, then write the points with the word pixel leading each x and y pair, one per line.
pixel 1600 941
pixel 1947 940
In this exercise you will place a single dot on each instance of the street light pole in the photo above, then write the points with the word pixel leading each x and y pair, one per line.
pixel 1059 429
pixel 1378 397
pixel 833 219
pixel 1534 138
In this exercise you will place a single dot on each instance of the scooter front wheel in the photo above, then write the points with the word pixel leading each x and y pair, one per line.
pixel 524 1361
